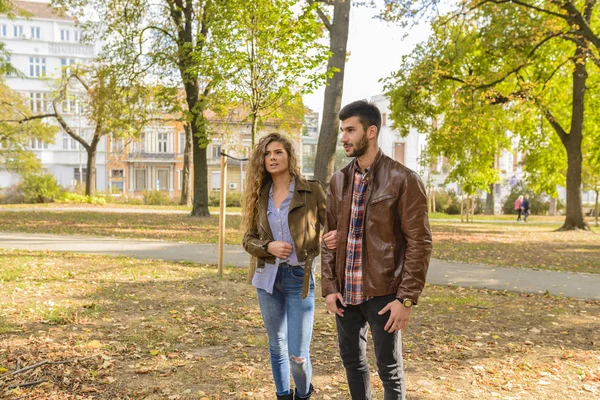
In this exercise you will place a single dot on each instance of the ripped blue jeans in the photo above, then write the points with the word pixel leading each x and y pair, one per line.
pixel 288 319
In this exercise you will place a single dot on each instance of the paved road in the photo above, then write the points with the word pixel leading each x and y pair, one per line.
pixel 578 285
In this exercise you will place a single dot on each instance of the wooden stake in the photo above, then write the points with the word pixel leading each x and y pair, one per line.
pixel 222 210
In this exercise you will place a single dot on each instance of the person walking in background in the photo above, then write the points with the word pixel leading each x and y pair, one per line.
pixel 525 207
pixel 518 203
pixel 379 209
pixel 283 214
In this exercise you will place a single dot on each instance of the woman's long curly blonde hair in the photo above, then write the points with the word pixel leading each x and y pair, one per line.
pixel 257 176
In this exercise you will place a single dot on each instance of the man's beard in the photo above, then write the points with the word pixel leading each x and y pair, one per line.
pixel 361 147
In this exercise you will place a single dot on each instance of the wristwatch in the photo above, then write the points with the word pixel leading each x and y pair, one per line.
pixel 406 302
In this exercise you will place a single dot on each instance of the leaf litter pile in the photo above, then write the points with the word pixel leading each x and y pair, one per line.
pixel 94 327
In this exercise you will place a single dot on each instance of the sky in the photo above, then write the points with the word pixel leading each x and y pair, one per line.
pixel 376 49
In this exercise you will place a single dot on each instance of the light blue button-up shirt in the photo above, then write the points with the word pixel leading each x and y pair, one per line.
pixel 278 221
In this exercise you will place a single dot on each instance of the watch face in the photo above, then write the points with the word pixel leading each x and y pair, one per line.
pixel 407 303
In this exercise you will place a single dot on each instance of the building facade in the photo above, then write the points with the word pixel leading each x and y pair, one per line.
pixel 41 46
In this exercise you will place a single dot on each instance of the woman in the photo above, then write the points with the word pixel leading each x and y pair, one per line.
pixel 283 214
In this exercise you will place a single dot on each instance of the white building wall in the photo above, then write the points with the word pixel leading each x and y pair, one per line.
pixel 58 44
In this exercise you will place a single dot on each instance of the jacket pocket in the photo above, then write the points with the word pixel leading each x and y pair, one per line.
pixel 382 198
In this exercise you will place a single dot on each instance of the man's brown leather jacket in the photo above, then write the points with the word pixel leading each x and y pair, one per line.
pixel 396 234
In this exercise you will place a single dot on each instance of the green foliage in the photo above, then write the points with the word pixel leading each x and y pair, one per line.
pixel 492 70
pixel 39 187
pixel 16 133
pixel 275 51
pixel 157 198
pixel 234 199
pixel 76 198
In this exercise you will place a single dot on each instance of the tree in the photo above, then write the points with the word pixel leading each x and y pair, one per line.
pixel 181 43
pixel 523 56
pixel 338 28
pixel 276 53
pixel 17 133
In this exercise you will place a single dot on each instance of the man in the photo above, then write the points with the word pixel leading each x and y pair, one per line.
pixel 379 208
pixel 525 208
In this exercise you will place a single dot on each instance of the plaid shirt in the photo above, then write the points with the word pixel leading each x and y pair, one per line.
pixel 353 287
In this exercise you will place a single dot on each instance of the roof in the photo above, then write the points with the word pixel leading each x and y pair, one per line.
pixel 41 10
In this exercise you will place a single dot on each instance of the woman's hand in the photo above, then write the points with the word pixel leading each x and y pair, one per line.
pixel 330 239
pixel 279 249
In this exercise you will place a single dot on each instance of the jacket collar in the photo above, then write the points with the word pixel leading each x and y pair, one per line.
pixel 353 165
pixel 297 198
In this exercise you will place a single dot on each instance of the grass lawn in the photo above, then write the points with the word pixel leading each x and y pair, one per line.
pixel 532 245
pixel 121 328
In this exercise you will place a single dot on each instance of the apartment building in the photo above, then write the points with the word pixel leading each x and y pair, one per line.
pixel 41 45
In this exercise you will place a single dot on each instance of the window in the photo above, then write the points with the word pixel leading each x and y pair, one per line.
pixel 77 35
pixel 181 147
pixel 80 174
pixel 116 145
pixel 116 187
pixel 66 141
pixel 383 119
pixel 37 67
pixel 116 173
pixel 162 142
pixel 64 35
pixel 216 151
pixel 35 32
pixel 3 30
pixel 65 63
pixel 162 179
pixel 216 180
pixel 38 102
pixel 140 179
pixel 37 144
pixel 18 31
pixel 69 143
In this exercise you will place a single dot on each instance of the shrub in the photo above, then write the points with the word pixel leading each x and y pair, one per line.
pixel 447 202
pixel 234 199
pixel 11 195
pixel 76 198
pixel 157 198
pixel 39 188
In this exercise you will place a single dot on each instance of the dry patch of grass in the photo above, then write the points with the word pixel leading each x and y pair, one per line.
pixel 517 245
pixel 152 226
pixel 120 328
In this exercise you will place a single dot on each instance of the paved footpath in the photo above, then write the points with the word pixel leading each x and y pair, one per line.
pixel 578 285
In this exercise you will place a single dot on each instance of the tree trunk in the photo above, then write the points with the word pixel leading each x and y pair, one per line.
pixel 462 207
pixel 254 128
pixel 490 200
pixel 328 134
pixel 200 208
pixel 572 142
pixel 552 207
pixel 90 174
pixel 188 154
pixel 596 208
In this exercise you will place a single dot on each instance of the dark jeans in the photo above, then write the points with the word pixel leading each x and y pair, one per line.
pixel 352 339
pixel 518 214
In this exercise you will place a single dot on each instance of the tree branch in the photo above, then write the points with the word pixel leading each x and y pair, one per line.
pixel 30 118
pixel 557 127
pixel 579 20
pixel 321 14
pixel 529 6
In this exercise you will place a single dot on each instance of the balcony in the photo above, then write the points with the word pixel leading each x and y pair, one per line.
pixel 152 157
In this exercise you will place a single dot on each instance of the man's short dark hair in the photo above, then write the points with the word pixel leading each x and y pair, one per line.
pixel 368 114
